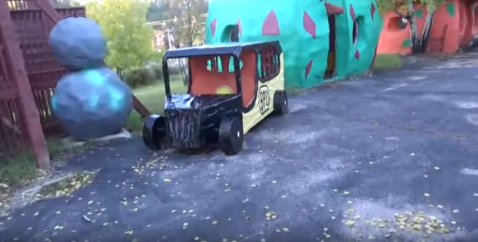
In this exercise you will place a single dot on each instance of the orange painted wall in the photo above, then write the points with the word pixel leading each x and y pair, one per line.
pixel 457 15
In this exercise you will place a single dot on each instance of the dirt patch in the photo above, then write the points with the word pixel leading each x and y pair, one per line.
pixel 46 187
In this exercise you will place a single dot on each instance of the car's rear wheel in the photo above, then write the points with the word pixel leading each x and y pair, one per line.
pixel 281 103
pixel 154 131
pixel 231 136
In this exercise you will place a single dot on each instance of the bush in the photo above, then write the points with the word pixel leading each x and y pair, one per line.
pixel 387 62
pixel 157 71
pixel 147 75
pixel 142 76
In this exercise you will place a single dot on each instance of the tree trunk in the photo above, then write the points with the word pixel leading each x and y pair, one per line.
pixel 184 69
pixel 120 73
pixel 415 40
pixel 190 31
pixel 426 32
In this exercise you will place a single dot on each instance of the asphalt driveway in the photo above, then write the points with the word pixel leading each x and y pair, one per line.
pixel 388 157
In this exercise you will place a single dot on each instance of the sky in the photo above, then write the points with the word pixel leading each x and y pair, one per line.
pixel 83 1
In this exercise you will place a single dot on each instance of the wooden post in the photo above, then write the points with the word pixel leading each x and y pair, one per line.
pixel 55 17
pixel 18 74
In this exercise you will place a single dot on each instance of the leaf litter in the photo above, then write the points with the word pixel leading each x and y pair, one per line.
pixel 417 223
pixel 67 186
pixel 72 182
pixel 49 186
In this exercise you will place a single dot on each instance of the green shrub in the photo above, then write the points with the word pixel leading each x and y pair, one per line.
pixel 157 71
pixel 147 75
pixel 142 76
pixel 387 62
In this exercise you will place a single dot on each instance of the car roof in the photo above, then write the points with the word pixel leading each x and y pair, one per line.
pixel 234 48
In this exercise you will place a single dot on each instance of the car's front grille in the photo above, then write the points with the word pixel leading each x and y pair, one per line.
pixel 184 128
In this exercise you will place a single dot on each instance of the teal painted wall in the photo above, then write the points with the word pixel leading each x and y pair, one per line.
pixel 303 31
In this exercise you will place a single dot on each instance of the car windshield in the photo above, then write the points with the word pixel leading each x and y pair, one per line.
pixel 220 65
pixel 215 75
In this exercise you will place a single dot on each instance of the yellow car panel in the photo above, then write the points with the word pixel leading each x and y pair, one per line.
pixel 264 101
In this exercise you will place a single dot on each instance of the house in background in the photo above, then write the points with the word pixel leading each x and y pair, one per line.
pixel 158 40
pixel 162 36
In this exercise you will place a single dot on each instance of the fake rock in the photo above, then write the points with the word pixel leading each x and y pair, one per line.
pixel 78 43
pixel 92 103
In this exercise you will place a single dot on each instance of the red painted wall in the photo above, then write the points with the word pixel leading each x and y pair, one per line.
pixel 454 25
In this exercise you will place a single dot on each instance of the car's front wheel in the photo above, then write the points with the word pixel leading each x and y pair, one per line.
pixel 231 136
pixel 154 131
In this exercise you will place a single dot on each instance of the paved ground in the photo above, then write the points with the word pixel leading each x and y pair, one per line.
pixel 390 157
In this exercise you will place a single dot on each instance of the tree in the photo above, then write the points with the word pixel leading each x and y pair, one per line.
pixel 128 36
pixel 186 23
pixel 157 11
pixel 431 6
pixel 405 9
pixel 188 17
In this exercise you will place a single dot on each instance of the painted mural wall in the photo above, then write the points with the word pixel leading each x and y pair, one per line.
pixel 454 25
pixel 321 40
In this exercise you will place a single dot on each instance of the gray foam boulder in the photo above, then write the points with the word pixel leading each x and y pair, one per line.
pixel 78 43
pixel 92 103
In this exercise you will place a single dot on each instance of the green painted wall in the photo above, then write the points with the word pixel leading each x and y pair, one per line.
pixel 303 31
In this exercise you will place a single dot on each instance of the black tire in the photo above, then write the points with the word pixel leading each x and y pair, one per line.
pixel 231 136
pixel 281 103
pixel 154 131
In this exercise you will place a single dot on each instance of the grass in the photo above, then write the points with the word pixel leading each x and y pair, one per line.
pixel 17 170
pixel 20 169
pixel 387 62
pixel 153 98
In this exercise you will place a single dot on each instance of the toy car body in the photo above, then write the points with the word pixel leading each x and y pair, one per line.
pixel 232 87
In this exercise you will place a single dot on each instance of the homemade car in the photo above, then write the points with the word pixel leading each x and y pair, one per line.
pixel 232 87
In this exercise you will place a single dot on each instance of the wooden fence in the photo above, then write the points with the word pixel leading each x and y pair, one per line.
pixel 28 76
